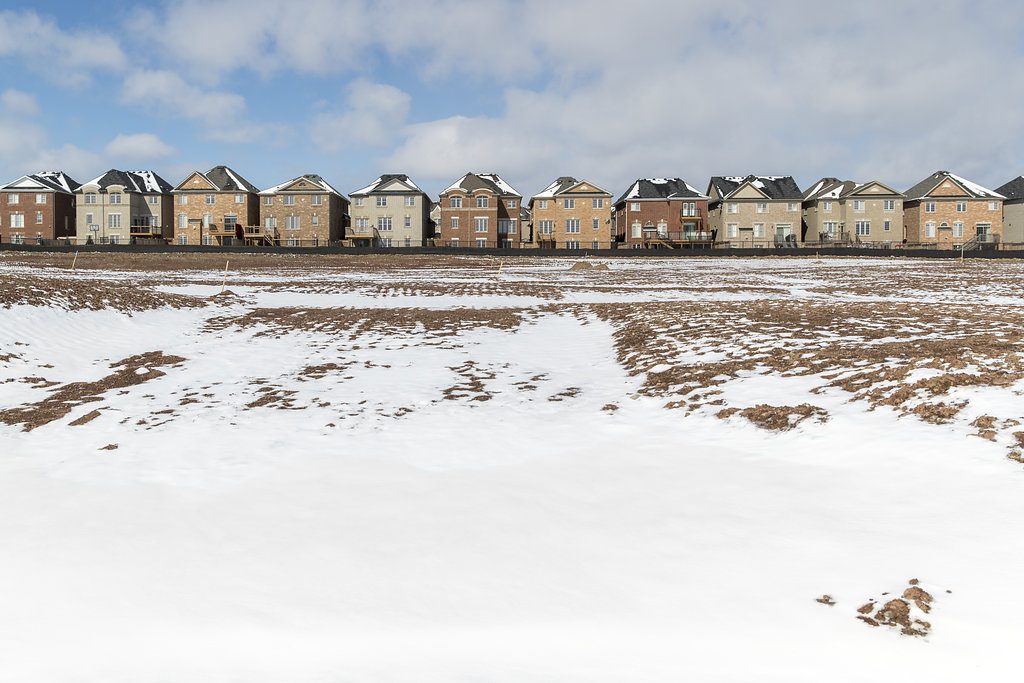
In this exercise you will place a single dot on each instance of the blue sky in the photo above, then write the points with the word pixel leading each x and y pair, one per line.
pixel 532 90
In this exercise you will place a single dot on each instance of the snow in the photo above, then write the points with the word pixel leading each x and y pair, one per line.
pixel 321 182
pixel 548 191
pixel 149 181
pixel 235 179
pixel 502 185
pixel 373 186
pixel 976 188
pixel 513 539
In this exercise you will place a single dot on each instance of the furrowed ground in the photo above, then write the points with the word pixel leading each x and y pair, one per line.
pixel 431 468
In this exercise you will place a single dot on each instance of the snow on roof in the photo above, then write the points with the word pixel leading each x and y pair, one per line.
pixel 388 177
pixel 976 188
pixel 311 177
pixel 149 181
pixel 549 191
pixel 235 179
pixel 497 180
pixel 59 178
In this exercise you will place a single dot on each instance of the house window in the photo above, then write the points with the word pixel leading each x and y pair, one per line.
pixel 210 199
pixel 858 205
pixel 115 239
pixel 929 229
pixel 635 206
pixel 993 206
pixel 408 221
pixel 481 224
pixel 90 197
pixel 572 225
pixel 731 208
pixel 317 199
pixel 863 228
pixel 385 241
pixel 115 197
pixel 408 242
pixel 455 222
pixel 270 223
pixel 239 199
pixel 636 230
pixel 595 223
pixel 182 199
pixel 17 239
pixel 289 200
pixel 291 222
pixel 758 229
pixel 961 207
pixel 13 198
pixel 410 200
pixel 595 245
pixel 929 207
pixel 182 221
pixel 828 228
pixel 382 200
pixel 958 229
pixel 572 244
pixel 887 226
pixel 482 202
pixel 511 203
pixel 481 243
pixel 569 203
pixel 88 219
pixel 597 203
pixel 384 222
pixel 732 230
pixel 362 222
pixel 504 226
pixel 17 220
pixel 889 205
pixel 114 220
pixel 230 221
pixel 455 202
pixel 543 203
pixel 39 217
pixel 689 209
pixel 360 201
pixel 827 207
pixel 455 242
pixel 762 207
pixel 293 242
pixel 40 199
pixel 792 206
pixel 545 227
pixel 183 239
pixel 268 201
pixel 153 199
pixel 314 219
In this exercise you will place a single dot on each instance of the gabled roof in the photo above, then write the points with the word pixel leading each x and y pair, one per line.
pixel 146 182
pixel 772 186
pixel 973 190
pixel 47 181
pixel 563 185
pixel 311 177
pixel 828 188
pixel 483 181
pixel 660 188
pixel 227 180
pixel 1013 190
pixel 383 181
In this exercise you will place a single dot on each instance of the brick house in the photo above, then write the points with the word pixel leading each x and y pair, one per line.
pixel 945 211
pixel 1013 211
pixel 748 211
pixel 216 207
pixel 120 207
pixel 844 211
pixel 304 212
pixel 392 211
pixel 480 210
pixel 571 214
pixel 661 212
pixel 38 207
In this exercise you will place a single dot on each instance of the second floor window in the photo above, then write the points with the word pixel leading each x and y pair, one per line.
pixel 289 199
pixel 597 203
pixel 408 221
pixel 40 199
pixel 39 217
pixel 291 222
pixel 961 207
pixel 482 202
pixel 889 205
pixel 572 225
pixel 863 228
pixel 455 202
pixel 210 200
pixel 384 222
pixel 115 197
pixel 455 222
pixel 569 203
pixel 690 209
pixel 858 205
pixel 929 207
pixel 481 224
pixel 113 220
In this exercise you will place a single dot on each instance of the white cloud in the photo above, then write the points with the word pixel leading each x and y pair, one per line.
pixel 375 115
pixel 62 56
pixel 18 102
pixel 138 147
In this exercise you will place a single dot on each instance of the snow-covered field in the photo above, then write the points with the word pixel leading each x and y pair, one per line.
pixel 445 469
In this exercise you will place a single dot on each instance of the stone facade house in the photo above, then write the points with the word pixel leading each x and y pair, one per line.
pixel 38 207
pixel 571 214
pixel 846 212
pixel 1013 212
pixel 392 211
pixel 480 210
pixel 755 211
pixel 945 211
pixel 304 212
pixel 217 207
pixel 120 207
pixel 661 212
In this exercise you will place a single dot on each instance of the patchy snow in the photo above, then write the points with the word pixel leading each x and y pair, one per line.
pixel 236 180
pixel 975 188
pixel 502 185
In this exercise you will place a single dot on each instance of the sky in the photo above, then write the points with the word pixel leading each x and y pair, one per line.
pixel 608 91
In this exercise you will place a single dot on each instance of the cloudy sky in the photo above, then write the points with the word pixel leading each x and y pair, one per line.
pixel 610 91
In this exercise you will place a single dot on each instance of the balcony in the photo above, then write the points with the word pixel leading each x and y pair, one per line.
pixel 145 231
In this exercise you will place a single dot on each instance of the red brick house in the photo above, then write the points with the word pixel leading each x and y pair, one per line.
pixel 661 213
pixel 37 207
pixel 481 210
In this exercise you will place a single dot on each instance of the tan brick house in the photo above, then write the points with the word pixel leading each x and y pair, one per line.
pixel 846 212
pixel 755 211
pixel 38 207
pixel 120 207
pixel 392 211
pixel 571 214
pixel 217 207
pixel 661 212
pixel 1013 211
pixel 304 212
pixel 945 211
pixel 480 210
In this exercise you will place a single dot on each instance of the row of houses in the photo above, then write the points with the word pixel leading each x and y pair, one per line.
pixel 221 207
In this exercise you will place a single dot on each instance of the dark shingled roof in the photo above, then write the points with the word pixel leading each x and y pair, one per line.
pixel 225 179
pixel 133 181
pixel 484 181
pixel 974 190
pixel 1013 190
pixel 659 188
pixel 775 187
pixel 58 181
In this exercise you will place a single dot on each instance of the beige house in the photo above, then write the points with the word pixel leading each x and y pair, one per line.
pixel 392 211
pixel 1013 212
pixel 572 214
pixel 303 212
pixel 846 212
pixel 217 207
pixel 946 211
pixel 120 207
pixel 755 211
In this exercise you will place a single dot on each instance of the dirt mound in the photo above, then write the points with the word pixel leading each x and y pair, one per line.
pixel 777 418
pixel 904 613
pixel 581 265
